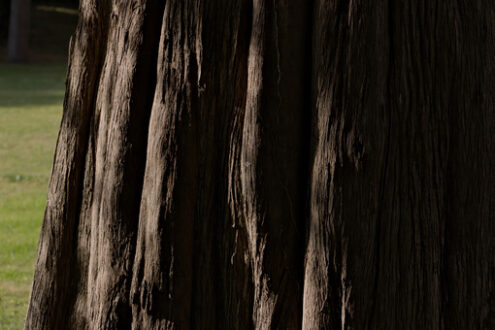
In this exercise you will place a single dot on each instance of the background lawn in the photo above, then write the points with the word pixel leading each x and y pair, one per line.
pixel 31 97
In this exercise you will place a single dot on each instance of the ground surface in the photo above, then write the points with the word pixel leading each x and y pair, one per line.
pixel 31 97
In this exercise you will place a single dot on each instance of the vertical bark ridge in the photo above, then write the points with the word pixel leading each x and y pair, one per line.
pixel 61 215
pixel 186 175
pixel 273 129
pixel 238 273
pixel 162 280
pixel 127 86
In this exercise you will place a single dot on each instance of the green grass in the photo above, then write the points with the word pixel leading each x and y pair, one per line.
pixel 31 97
pixel 30 110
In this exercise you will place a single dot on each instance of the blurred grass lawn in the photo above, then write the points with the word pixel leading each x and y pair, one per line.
pixel 30 110
pixel 31 97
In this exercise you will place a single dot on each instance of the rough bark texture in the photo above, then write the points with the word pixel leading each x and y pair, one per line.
pixel 273 165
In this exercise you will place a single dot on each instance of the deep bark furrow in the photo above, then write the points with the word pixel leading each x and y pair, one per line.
pixel 272 130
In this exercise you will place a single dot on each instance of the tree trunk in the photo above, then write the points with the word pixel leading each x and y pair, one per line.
pixel 273 164
pixel 18 44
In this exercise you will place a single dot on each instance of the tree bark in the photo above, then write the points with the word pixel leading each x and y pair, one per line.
pixel 19 23
pixel 273 164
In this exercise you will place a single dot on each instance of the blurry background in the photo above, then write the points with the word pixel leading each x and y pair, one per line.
pixel 31 97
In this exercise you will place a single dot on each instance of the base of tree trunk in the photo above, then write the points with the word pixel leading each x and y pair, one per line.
pixel 273 164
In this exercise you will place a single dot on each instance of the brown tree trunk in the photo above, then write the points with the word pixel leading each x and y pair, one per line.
pixel 273 164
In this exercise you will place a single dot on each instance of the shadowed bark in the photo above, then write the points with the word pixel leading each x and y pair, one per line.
pixel 273 165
